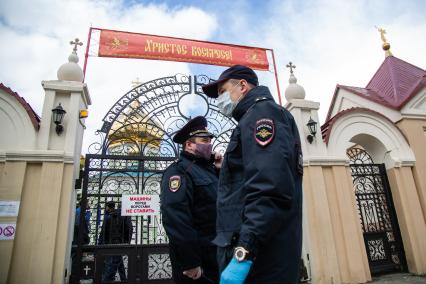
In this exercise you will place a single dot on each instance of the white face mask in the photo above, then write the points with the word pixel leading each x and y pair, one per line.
pixel 225 103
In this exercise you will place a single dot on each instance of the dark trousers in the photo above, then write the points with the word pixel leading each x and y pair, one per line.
pixel 112 265
pixel 224 256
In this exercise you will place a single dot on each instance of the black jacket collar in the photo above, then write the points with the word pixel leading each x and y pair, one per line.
pixel 254 94
pixel 194 159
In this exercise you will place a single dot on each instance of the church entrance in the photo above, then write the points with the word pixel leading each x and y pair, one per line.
pixel 377 214
pixel 136 147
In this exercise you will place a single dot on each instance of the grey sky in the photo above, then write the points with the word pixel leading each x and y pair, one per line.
pixel 329 41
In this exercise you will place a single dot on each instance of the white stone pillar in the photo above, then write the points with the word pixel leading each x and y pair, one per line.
pixel 332 236
pixel 45 223
pixel 73 97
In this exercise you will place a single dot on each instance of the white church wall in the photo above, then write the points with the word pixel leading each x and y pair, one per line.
pixel 367 129
pixel 373 146
pixel 416 107
pixel 346 100
pixel 387 144
pixel 17 130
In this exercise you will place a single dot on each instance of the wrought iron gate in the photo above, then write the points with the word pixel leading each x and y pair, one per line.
pixel 377 215
pixel 136 147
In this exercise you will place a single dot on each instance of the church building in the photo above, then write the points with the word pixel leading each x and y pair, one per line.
pixel 364 181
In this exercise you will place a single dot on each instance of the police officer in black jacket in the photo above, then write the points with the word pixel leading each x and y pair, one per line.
pixel 259 202
pixel 188 205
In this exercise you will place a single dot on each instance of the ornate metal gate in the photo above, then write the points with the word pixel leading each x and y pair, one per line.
pixel 377 214
pixel 136 147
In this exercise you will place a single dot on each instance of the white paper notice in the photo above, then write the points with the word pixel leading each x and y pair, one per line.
pixel 140 205
pixel 9 208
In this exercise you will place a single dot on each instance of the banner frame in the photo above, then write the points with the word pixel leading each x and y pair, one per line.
pixel 91 29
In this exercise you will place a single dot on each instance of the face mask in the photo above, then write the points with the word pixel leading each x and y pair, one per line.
pixel 203 150
pixel 225 103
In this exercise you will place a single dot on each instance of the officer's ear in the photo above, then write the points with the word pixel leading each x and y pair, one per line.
pixel 185 145
pixel 245 86
pixel 188 143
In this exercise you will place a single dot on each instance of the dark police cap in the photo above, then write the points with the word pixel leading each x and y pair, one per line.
pixel 196 127
pixel 234 72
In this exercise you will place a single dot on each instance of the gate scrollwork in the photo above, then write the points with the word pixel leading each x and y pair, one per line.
pixel 135 147
pixel 376 212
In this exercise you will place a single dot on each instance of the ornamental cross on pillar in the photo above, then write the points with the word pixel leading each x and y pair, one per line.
pixel 75 43
pixel 136 82
pixel 291 66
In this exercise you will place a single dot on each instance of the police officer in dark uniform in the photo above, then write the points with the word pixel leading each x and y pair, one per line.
pixel 259 202
pixel 188 205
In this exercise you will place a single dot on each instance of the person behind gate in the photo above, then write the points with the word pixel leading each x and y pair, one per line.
pixel 259 201
pixel 116 229
pixel 188 205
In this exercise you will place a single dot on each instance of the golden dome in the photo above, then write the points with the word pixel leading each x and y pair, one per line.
pixel 133 127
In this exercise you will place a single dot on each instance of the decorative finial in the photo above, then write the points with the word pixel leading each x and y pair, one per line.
pixel 136 82
pixel 294 90
pixel 291 66
pixel 71 71
pixel 386 46
pixel 75 43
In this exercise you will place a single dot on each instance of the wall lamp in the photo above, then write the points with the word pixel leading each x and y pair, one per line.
pixel 312 126
pixel 58 115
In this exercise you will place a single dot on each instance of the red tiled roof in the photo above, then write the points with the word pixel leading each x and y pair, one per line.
pixel 395 80
pixel 393 84
pixel 328 125
pixel 35 119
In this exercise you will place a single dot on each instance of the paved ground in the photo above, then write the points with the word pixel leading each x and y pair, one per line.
pixel 399 278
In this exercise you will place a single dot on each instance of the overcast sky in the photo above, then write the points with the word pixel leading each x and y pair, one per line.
pixel 330 42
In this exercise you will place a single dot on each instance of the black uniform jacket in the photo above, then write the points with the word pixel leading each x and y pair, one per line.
pixel 188 207
pixel 259 202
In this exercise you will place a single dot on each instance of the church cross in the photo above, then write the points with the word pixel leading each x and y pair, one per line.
pixel 136 82
pixel 87 269
pixel 291 66
pixel 382 32
pixel 75 43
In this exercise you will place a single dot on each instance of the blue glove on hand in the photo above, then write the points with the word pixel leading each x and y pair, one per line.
pixel 236 272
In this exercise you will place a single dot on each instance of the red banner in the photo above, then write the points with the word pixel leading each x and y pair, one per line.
pixel 132 45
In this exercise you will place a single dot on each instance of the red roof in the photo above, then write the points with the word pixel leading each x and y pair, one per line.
pixel 35 119
pixel 393 84
pixel 328 126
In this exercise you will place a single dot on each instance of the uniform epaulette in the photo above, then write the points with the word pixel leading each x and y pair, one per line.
pixel 175 163
pixel 183 164
pixel 259 99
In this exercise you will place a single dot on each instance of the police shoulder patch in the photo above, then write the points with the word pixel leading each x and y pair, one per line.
pixel 174 183
pixel 264 131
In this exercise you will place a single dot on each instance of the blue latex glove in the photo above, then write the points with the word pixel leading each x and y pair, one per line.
pixel 236 272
